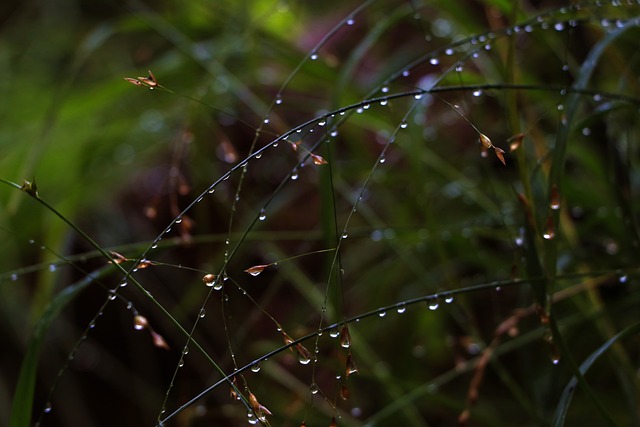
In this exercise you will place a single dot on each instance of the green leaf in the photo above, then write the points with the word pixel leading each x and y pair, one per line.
pixel 567 394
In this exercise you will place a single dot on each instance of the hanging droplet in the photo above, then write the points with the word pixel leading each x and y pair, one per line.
pixel 459 68
pixel 623 278
pixel 304 357
pixel 417 96
pixel 202 313
pixel 209 279
pixel 433 304
pixel 140 322
pixel 345 337
pixel 549 229
pixel 350 21
pixel 47 408
pixel 314 388
pixel 477 93
pixel 256 269
pixel 345 393
pixel 251 418
pixel 313 56
pixel 294 175
pixel 112 295
pixel 448 52
pixel 382 313
pixel 401 308
pixel 345 234
pixel 351 366
pixel 403 125
pixel 278 100
pixel 334 332
pixel 448 299
pixel 384 89
pixel 256 367
pixel 263 215
pixel 554 198
pixel 434 61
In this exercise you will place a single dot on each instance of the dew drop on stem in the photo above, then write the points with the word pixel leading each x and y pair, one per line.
pixel 313 56
pixel 314 388
pixel 209 279
pixel 334 332
pixel 401 308
pixel 263 215
pixel 202 313
pixel 256 367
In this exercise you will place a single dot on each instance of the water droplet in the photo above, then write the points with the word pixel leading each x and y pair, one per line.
pixel 314 388
pixel 47 408
pixel 403 125
pixel 266 120
pixel 278 100
pixel 251 418
pixel 433 304
pixel 112 295
pixel 382 313
pixel 202 313
pixel 345 235
pixel 14 277
pixel 549 232
pixel 351 366
pixel 256 367
pixel 185 350
pixel 52 268
pixel 366 106
pixel 345 337
pixel 565 67
pixel 322 122
pixel 459 68
pixel 623 279
pixel 384 102
pixel 359 110
pixel 304 358
pixel 209 279
pixel 263 215
pixel 313 56
pixel 434 61
pixel 417 96
pixel 212 190
pixel 475 55
pixel 558 26
pixel 383 159
pixel 384 89
pixel 448 299
pixel 401 308
pixel 350 21
pixel 554 198
pixel 294 175
pixel 448 52
pixel 406 73
pixel 477 92
pixel 334 332
pixel 334 133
